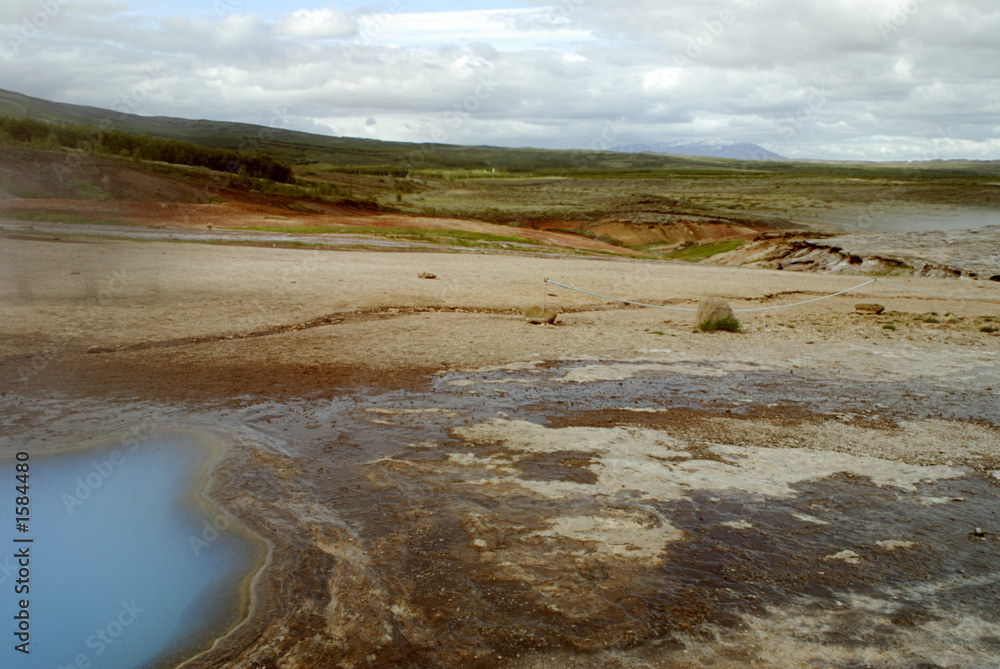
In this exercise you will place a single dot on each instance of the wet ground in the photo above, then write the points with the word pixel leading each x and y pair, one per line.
pixel 207 236
pixel 648 513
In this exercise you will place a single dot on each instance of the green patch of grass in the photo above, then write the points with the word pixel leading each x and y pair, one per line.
pixel 7 185
pixel 696 252
pixel 892 268
pixel 929 319
pixel 655 332
pixel 888 326
pixel 476 236
pixel 70 219
pixel 437 236
pixel 988 329
pixel 89 191
pixel 464 174
pixel 360 170
pixel 727 324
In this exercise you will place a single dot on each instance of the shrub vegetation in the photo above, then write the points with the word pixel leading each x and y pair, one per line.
pixel 727 324
pixel 41 135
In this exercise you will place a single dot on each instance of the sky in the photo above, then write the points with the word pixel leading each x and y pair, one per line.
pixel 823 79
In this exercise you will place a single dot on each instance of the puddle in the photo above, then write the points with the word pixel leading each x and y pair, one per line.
pixel 127 566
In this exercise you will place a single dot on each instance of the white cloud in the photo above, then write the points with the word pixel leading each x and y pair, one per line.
pixel 808 78
pixel 317 24
pixel 504 29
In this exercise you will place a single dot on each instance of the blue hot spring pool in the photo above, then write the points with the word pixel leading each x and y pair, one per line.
pixel 118 560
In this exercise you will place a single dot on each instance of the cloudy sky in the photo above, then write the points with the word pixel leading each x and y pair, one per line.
pixel 838 79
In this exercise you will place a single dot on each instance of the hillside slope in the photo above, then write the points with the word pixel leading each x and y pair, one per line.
pixel 304 148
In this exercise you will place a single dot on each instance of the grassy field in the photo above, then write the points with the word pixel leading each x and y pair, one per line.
pixel 699 252
pixel 452 237
pixel 69 219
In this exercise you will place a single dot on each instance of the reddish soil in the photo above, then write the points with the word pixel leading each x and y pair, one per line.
pixel 33 183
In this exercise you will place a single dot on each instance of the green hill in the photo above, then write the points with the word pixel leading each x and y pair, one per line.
pixel 332 153
pixel 305 148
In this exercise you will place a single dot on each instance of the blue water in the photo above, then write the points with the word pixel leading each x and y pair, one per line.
pixel 127 564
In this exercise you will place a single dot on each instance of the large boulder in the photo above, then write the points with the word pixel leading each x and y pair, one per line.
pixel 712 311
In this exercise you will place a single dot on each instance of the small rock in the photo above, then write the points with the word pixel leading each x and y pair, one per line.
pixel 425 275
pixel 539 316
pixel 995 278
pixel 711 311
pixel 980 532
pixel 848 556
pixel 94 349
pixel 869 308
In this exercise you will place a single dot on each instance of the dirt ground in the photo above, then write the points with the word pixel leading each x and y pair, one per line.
pixel 442 484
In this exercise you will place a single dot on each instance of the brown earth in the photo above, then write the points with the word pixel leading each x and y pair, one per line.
pixel 440 483
pixel 237 215
pixel 664 505
pixel 52 184
pixel 195 305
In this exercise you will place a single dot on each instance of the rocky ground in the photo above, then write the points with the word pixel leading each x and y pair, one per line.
pixel 971 253
pixel 442 484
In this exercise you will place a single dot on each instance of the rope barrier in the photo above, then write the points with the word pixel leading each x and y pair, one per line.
pixel 615 299
pixel 658 306
pixel 953 297
pixel 825 297
pixel 871 283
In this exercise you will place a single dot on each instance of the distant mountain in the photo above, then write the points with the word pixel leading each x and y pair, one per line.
pixel 713 148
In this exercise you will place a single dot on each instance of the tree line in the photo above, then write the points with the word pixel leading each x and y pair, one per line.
pixel 142 147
